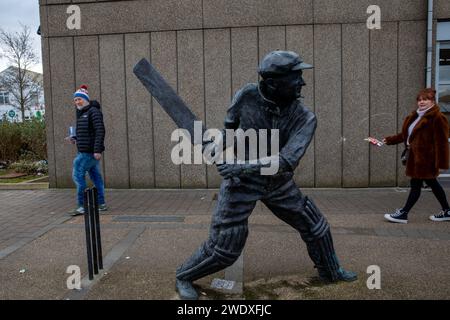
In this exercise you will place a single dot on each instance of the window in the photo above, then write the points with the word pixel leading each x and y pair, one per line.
pixel 443 65
pixel 443 76
pixel 4 97
pixel 443 70
pixel 34 99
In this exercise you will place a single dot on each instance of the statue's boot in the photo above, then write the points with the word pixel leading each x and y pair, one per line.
pixel 340 275
pixel 186 290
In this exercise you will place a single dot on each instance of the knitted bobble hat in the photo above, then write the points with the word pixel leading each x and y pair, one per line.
pixel 82 93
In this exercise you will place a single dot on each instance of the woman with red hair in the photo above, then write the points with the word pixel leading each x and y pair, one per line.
pixel 425 134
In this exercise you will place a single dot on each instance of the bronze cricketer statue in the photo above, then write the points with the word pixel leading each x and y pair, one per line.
pixel 273 103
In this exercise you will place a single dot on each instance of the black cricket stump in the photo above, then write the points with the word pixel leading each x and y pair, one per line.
pixel 92 228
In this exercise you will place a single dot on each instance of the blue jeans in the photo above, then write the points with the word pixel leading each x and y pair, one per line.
pixel 85 162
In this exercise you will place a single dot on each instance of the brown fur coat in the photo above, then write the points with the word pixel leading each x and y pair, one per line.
pixel 428 144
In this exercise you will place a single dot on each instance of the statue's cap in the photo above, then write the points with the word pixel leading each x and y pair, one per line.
pixel 278 63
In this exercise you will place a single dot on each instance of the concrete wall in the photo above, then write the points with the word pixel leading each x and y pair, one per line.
pixel 364 81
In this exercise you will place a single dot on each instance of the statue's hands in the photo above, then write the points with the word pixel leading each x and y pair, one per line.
pixel 236 170
pixel 229 170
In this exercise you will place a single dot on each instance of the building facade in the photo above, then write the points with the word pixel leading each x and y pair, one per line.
pixel 9 106
pixel 364 81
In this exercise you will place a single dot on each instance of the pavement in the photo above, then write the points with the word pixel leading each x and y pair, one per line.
pixel 146 234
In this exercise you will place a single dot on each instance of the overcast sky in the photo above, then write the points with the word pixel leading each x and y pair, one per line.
pixel 14 12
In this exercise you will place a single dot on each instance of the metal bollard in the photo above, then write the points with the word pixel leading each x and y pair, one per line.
pixel 92 227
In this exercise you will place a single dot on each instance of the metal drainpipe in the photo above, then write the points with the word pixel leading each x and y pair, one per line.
pixel 429 43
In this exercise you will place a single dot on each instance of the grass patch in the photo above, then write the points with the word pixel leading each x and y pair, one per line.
pixel 21 179
pixel 16 180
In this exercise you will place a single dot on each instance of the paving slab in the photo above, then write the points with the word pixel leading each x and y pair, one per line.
pixel 147 233
pixel 45 261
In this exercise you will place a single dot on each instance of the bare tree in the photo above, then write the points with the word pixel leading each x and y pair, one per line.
pixel 22 84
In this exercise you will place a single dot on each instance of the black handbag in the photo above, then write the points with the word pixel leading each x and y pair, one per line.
pixel 405 155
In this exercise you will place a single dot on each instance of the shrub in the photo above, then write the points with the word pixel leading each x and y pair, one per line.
pixel 23 141
pixel 30 167
pixel 10 141
pixel 34 140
